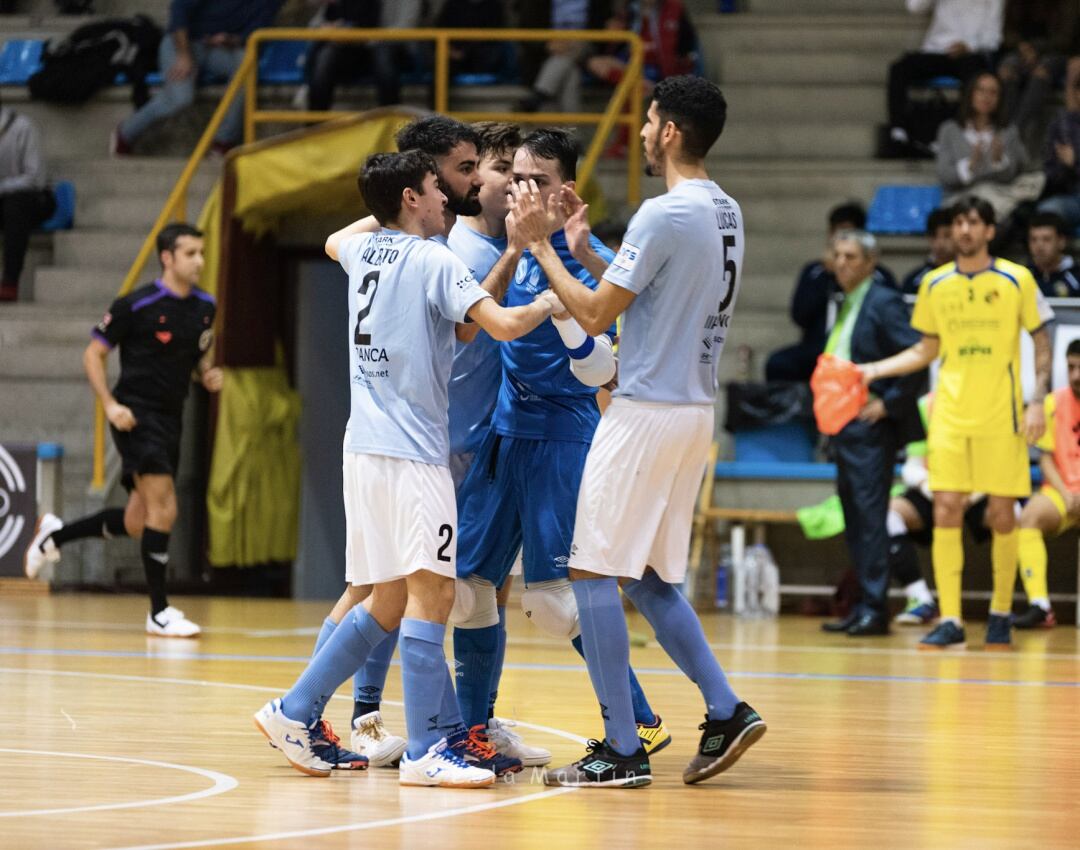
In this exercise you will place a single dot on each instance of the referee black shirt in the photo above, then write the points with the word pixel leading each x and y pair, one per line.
pixel 161 337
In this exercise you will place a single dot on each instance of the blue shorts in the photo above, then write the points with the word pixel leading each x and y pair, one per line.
pixel 519 493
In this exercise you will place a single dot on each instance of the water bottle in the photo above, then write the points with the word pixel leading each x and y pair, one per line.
pixel 770 585
pixel 723 570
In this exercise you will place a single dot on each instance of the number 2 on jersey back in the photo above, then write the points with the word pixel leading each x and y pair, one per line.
pixel 370 282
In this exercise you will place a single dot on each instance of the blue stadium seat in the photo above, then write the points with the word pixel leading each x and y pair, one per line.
pixel 64 216
pixel 945 83
pixel 788 442
pixel 902 209
pixel 282 62
pixel 509 74
pixel 19 59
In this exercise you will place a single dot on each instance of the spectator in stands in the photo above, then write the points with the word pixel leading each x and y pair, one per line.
pixel 814 289
pixel 331 63
pixel 25 199
pixel 559 77
pixel 670 40
pixel 1061 159
pixel 474 57
pixel 873 322
pixel 959 42
pixel 978 155
pixel 1053 269
pixel 201 39
pixel 939 232
pixel 1039 36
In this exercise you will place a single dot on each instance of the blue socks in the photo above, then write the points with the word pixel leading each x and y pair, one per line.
pixel 345 649
pixel 643 712
pixel 475 652
pixel 327 629
pixel 369 681
pixel 500 655
pixel 606 643
pixel 679 632
pixel 425 679
pixel 451 725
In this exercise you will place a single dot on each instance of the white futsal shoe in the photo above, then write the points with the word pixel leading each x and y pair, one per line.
pixel 441 767
pixel 171 623
pixel 370 738
pixel 291 737
pixel 42 554
pixel 511 744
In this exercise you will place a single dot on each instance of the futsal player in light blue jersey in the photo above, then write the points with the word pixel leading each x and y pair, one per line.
pixel 455 148
pixel 479 240
pixel 676 278
pixel 407 296
pixel 521 490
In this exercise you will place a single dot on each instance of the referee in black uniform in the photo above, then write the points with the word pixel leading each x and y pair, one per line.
pixel 164 330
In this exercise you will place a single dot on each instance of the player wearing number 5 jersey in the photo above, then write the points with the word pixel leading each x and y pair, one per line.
pixel 406 296
pixel 676 277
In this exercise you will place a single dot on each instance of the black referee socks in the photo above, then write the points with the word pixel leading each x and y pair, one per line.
pixel 155 558
pixel 108 523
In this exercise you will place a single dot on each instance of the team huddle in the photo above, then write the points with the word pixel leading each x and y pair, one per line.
pixel 482 320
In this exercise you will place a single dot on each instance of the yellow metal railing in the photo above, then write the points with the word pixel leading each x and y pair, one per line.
pixel 624 109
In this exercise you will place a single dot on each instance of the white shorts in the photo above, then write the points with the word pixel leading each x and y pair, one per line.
pixel 400 517
pixel 642 477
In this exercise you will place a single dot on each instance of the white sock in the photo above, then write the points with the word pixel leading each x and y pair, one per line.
pixel 1043 602
pixel 919 590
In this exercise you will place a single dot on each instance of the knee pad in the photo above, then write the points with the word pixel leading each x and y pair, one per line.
pixel 552 608
pixel 474 604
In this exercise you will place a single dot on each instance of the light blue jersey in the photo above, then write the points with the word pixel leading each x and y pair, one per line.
pixel 540 398
pixel 477 370
pixel 682 255
pixel 405 295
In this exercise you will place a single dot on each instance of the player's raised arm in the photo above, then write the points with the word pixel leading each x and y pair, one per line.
pixel 368 224
pixel 578 232
pixel 595 310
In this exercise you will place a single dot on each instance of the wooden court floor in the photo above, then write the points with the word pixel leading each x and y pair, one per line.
pixel 113 739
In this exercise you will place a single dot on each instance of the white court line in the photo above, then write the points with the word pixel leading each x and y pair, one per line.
pixel 222 783
pixel 354 827
pixel 898 652
pixel 80 625
pixel 122 677
pixel 351 827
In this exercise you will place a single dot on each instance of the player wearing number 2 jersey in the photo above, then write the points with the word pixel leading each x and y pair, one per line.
pixel 406 296
pixel 676 277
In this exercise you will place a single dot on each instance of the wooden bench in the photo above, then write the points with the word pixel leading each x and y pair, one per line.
pixel 739 518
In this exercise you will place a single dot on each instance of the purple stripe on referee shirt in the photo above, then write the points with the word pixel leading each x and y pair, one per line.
pixel 98 335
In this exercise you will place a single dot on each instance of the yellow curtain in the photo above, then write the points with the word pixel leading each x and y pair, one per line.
pixel 253 495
